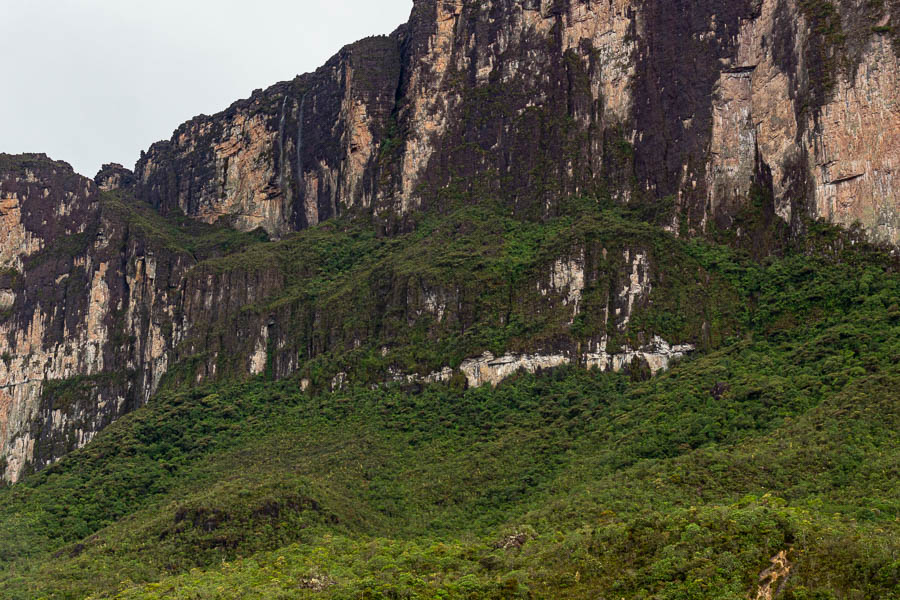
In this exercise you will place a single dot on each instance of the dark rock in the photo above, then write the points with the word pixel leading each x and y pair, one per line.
pixel 719 390
pixel 114 176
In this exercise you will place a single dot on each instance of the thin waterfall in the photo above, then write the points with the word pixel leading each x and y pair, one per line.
pixel 300 145
pixel 281 146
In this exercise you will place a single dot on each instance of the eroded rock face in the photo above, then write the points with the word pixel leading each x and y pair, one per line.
pixel 489 369
pixel 533 101
pixel 704 103
pixel 657 356
pixel 561 289
pixel 95 312
pixel 114 176
pixel 831 150
pixel 855 158
pixel 288 157
pixel 567 278
pixel 81 298
pixel 773 578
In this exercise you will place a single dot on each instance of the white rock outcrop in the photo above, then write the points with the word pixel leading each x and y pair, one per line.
pixel 489 369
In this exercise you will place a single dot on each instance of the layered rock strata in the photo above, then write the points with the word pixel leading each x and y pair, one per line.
pixel 529 102
pixel 85 302
pixel 99 303
pixel 703 113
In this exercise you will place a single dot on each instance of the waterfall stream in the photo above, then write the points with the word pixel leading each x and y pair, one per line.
pixel 300 117
pixel 281 146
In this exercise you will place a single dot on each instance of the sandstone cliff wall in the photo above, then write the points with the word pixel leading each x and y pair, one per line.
pixel 286 158
pixel 705 105
pixel 98 305
pixel 85 302
pixel 533 100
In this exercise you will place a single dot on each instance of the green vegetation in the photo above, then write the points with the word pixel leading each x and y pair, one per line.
pixel 178 233
pixel 828 37
pixel 20 162
pixel 779 436
pixel 348 293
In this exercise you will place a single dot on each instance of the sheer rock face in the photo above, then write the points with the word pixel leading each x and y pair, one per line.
pixel 703 103
pixel 855 161
pixel 827 137
pixel 82 298
pixel 95 312
pixel 286 158
pixel 533 100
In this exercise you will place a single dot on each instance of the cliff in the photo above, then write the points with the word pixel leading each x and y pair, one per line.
pixel 693 102
pixel 106 298
pixel 83 299
pixel 449 175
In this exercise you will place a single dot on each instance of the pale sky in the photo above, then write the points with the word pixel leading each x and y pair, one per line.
pixel 97 81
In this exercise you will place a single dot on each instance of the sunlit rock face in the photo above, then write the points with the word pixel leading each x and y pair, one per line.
pixel 818 116
pixel 855 157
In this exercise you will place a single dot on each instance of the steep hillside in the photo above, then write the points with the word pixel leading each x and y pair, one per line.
pixel 776 449
pixel 741 121
pixel 90 287
pixel 473 293
pixel 529 299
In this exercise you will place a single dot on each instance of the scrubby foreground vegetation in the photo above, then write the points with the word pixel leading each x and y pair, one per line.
pixel 776 443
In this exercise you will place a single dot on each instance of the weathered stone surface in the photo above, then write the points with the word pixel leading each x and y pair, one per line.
pixel 530 102
pixel 657 355
pixel 95 317
pixel 832 152
pixel 488 369
pixel 114 176
pixel 855 142
pixel 700 103
pixel 771 579
pixel 286 158
pixel 567 277
pixel 85 299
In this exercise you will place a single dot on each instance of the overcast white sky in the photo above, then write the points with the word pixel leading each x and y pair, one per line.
pixel 97 81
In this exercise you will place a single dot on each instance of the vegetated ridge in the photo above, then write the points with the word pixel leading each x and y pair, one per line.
pixel 527 299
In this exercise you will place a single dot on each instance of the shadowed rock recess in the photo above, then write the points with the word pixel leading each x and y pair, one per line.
pixel 738 118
